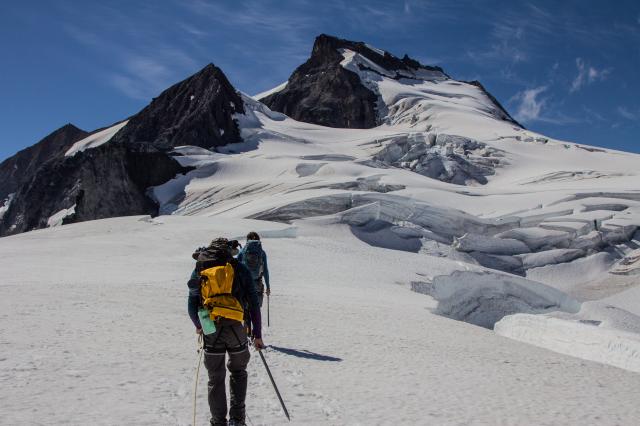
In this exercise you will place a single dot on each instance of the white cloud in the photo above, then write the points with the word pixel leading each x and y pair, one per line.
pixel 193 30
pixel 530 107
pixel 587 75
pixel 629 115
pixel 502 51
pixel 141 68
pixel 128 86
pixel 592 115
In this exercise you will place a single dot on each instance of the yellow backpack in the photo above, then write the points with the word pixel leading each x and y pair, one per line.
pixel 216 285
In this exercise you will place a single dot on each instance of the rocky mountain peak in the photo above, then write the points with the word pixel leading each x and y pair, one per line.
pixel 196 111
pixel 111 178
pixel 322 91
pixel 340 85
pixel 18 169
pixel 326 46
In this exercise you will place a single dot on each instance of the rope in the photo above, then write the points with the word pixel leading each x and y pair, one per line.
pixel 195 387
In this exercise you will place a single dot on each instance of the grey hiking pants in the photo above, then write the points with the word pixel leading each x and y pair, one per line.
pixel 230 337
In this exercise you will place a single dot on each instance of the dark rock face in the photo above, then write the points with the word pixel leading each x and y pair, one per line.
pixel 325 46
pixel 197 111
pixel 103 182
pixel 112 180
pixel 20 168
pixel 321 91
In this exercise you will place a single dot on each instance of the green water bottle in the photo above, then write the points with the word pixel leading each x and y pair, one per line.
pixel 208 326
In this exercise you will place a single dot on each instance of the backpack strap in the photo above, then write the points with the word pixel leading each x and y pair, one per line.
pixel 213 345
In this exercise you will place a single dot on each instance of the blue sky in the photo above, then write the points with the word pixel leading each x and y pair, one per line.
pixel 567 69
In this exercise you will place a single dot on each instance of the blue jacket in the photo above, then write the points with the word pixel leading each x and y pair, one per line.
pixel 265 267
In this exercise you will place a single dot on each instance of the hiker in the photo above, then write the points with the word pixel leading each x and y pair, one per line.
pixel 255 259
pixel 225 287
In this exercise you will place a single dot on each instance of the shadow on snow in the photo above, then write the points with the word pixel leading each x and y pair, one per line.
pixel 305 354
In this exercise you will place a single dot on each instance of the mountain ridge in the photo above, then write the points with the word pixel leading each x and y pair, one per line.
pixel 107 173
pixel 19 168
pixel 441 129
pixel 330 82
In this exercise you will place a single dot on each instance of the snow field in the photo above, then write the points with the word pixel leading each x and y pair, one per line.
pixel 580 338
pixel 568 230
pixel 352 345
pixel 445 198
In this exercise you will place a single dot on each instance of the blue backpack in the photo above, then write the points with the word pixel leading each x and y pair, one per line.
pixel 252 259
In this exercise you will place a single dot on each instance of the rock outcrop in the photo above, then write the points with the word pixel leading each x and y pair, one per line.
pixel 112 179
pixel 332 89
pixel 20 168
pixel 197 111
pixel 322 91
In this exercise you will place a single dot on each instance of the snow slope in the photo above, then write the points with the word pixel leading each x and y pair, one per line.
pixel 266 93
pixel 445 267
pixel 101 318
pixel 96 139
pixel 531 217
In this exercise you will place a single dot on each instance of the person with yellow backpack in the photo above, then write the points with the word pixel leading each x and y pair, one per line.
pixel 222 299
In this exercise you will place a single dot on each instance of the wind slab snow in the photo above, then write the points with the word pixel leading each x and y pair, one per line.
pixel 507 232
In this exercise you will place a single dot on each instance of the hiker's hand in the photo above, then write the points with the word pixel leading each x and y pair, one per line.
pixel 198 331
pixel 268 292
pixel 258 344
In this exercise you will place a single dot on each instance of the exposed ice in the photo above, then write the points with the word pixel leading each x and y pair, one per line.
pixel 629 265
pixel 448 158
pixel 537 238
pixel 486 244
pixel 484 298
pixel 549 257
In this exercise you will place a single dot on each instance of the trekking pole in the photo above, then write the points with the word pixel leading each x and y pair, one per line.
pixel 267 310
pixel 195 387
pixel 264 361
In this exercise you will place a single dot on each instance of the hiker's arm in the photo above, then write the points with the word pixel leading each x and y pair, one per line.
pixel 256 323
pixel 265 270
pixel 193 300
pixel 193 303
